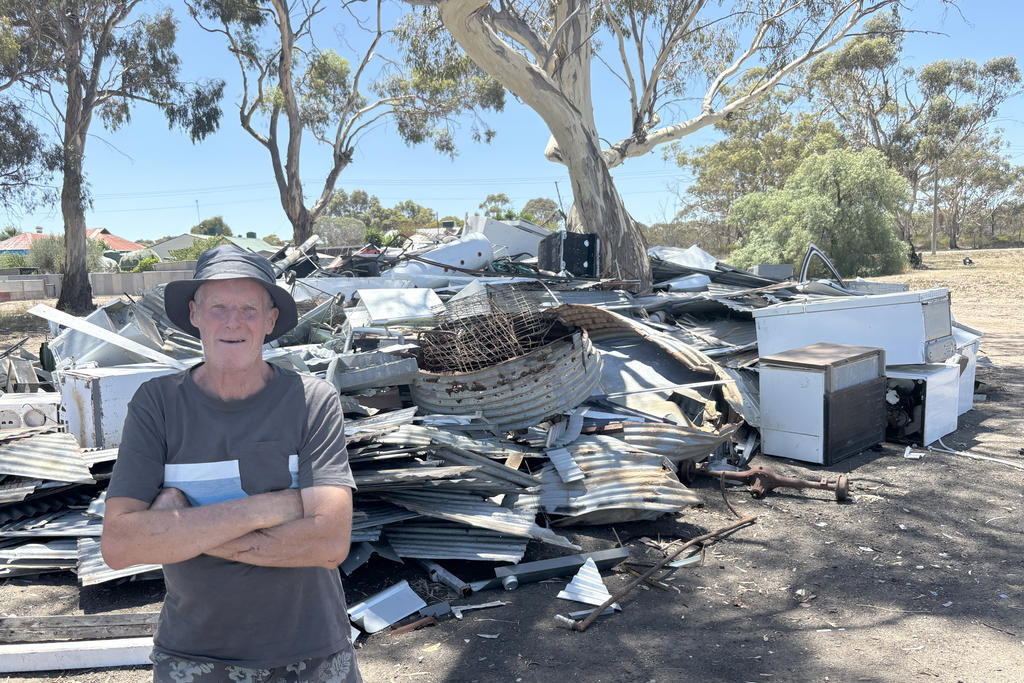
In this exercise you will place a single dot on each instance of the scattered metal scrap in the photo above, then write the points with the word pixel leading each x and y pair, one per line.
pixel 486 402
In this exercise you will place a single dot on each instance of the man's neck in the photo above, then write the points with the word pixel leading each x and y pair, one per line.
pixel 233 385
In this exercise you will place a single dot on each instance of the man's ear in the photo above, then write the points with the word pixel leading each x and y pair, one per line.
pixel 193 313
pixel 271 320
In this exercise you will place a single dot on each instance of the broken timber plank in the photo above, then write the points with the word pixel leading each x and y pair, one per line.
pixel 88 627
pixel 84 654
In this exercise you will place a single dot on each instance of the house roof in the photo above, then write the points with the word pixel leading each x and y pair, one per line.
pixel 164 249
pixel 23 241
pixel 20 242
pixel 113 241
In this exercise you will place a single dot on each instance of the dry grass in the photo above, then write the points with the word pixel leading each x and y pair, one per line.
pixel 987 295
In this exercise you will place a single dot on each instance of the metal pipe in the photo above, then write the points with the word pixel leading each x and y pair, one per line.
pixel 582 625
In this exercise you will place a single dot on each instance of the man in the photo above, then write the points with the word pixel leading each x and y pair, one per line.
pixel 234 476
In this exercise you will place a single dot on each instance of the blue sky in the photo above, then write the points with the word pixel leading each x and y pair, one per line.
pixel 147 181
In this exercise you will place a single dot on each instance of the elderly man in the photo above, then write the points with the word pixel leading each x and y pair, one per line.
pixel 234 476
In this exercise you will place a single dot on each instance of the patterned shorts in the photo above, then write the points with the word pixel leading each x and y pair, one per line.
pixel 337 668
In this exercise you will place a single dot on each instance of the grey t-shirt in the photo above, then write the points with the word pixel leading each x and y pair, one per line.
pixel 288 434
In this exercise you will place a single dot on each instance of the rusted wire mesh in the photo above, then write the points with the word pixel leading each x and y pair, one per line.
pixel 482 330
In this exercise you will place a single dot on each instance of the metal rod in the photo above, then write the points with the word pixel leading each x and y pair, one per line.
pixel 582 625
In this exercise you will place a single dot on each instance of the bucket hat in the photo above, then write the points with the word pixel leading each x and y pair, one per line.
pixel 229 262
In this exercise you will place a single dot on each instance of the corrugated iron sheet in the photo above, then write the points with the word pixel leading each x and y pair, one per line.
pixel 61 524
pixel 520 392
pixel 56 457
pixel 620 484
pixel 93 570
pixel 675 442
pixel 16 489
pixel 472 510
pixel 587 587
pixel 370 427
pixel 600 322
pixel 451 542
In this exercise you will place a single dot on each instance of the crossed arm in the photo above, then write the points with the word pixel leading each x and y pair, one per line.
pixel 308 527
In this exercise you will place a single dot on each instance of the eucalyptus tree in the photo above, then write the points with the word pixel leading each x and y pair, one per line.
pixel 544 51
pixel 87 58
pixel 291 80
pixel 915 117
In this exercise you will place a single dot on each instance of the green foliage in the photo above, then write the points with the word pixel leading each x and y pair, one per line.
pixel 145 264
pixel 365 208
pixel 381 239
pixel 130 261
pixel 191 253
pixel 274 240
pixel 917 119
pixel 211 226
pixel 335 231
pixel 542 211
pixel 47 255
pixel 842 201
pixel 26 160
pixel 13 260
pixel 8 232
pixel 762 146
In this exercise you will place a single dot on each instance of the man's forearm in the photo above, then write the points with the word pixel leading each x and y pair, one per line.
pixel 163 534
pixel 307 542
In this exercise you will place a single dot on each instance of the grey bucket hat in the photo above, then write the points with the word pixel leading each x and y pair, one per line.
pixel 229 262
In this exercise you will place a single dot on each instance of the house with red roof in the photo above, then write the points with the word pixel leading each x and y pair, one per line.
pixel 20 244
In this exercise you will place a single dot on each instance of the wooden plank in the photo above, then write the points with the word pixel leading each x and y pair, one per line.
pixel 87 654
pixel 73 627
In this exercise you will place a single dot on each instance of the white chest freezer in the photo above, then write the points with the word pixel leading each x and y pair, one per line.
pixel 912 327
pixel 823 402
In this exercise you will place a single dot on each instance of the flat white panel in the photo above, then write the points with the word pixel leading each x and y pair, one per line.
pixel 82 654
pixel 792 445
pixel 792 400
pixel 942 399
pixel 897 328
pixel 966 394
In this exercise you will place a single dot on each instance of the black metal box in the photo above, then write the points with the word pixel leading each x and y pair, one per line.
pixel 576 253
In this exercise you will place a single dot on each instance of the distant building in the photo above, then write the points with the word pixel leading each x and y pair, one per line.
pixel 20 244
pixel 250 242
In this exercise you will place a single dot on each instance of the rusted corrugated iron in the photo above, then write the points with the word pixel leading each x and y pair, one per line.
pixel 517 393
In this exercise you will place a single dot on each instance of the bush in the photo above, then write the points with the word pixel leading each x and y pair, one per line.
pixel 146 264
pixel 842 201
pixel 47 255
pixel 12 260
pixel 198 247
pixel 130 261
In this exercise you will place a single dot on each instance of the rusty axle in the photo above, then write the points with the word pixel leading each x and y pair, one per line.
pixel 762 480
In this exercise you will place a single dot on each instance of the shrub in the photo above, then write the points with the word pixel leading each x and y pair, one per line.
pixel 842 201
pixel 198 247
pixel 12 260
pixel 132 259
pixel 47 255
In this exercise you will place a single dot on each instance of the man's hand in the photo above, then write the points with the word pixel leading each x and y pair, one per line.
pixel 170 499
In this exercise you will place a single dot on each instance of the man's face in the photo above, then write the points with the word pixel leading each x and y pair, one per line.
pixel 233 317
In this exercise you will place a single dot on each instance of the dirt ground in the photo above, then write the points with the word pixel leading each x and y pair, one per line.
pixel 919 577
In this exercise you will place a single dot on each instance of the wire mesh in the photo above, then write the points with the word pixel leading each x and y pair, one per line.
pixel 482 330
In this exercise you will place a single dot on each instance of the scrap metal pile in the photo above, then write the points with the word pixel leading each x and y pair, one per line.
pixel 490 401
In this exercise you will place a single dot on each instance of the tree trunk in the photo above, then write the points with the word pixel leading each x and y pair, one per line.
pixel 558 101
pixel 76 291
pixel 598 208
